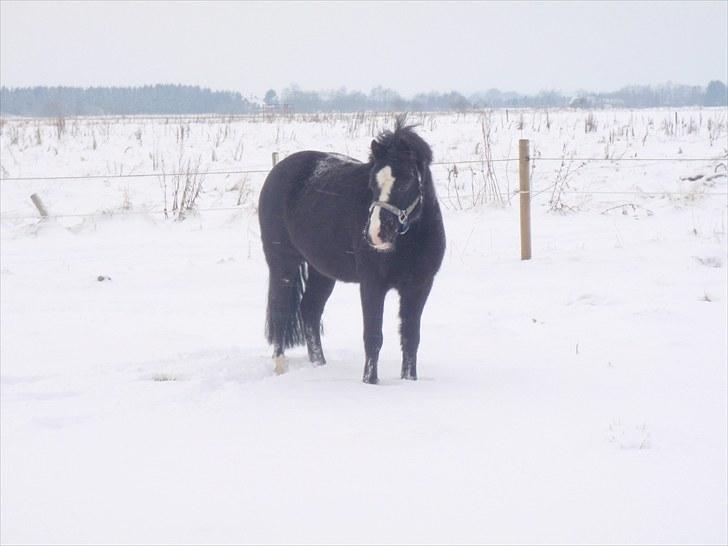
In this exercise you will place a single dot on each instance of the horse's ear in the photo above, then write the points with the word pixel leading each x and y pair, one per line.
pixel 377 149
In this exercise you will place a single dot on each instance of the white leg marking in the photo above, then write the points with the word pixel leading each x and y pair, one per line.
pixel 385 181
pixel 280 361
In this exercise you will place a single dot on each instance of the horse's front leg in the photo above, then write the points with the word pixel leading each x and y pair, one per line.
pixel 372 304
pixel 411 303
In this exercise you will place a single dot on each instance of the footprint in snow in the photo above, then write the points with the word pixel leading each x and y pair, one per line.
pixel 629 437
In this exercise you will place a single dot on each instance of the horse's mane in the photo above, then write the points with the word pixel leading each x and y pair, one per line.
pixel 404 139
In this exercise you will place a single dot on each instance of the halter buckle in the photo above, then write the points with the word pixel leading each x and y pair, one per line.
pixel 401 214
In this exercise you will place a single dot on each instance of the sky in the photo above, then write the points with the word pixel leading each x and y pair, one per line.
pixel 407 46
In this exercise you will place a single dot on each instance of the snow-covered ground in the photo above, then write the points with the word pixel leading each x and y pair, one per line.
pixel 580 397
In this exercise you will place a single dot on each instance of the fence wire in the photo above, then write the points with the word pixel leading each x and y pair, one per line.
pixel 438 163
pixel 451 199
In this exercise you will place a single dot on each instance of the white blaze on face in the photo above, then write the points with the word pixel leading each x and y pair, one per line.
pixel 385 181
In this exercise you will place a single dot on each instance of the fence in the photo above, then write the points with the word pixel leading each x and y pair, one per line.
pixel 525 192
pixel 435 163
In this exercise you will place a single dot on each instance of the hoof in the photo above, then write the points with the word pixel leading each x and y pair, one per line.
pixel 318 363
pixel 280 362
pixel 370 372
pixel 409 373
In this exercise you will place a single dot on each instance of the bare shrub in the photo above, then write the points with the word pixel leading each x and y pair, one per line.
pixel 491 189
pixel 245 192
pixel 561 184
pixel 163 186
pixel 60 126
pixel 715 129
pixel 157 160
pixel 238 153
pixel 691 127
pixel 590 123
pixel 126 198
pixel 185 185
pixel 668 127
pixel 452 188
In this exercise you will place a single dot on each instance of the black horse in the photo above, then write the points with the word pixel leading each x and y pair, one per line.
pixel 327 217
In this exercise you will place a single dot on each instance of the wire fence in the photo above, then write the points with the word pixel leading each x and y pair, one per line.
pixel 437 163
pixel 111 214
pixel 451 199
pixel 158 174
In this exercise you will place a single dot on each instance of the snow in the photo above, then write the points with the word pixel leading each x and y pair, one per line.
pixel 579 397
pixel 331 161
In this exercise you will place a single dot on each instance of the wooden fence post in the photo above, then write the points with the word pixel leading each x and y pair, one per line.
pixel 39 205
pixel 524 171
pixel 275 158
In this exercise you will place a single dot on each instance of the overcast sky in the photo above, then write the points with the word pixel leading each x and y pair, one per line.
pixel 408 46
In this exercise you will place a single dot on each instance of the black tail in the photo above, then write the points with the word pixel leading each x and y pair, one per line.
pixel 283 321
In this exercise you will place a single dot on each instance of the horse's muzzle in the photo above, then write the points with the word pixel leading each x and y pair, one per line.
pixel 383 247
pixel 381 231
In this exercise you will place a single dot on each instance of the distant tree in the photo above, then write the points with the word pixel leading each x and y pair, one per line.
pixel 182 99
pixel 271 98
pixel 549 98
pixel 303 101
pixel 381 98
pixel 149 99
pixel 716 94
pixel 454 101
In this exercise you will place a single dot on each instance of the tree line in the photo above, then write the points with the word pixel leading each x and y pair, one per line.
pixel 183 99
pixel 150 99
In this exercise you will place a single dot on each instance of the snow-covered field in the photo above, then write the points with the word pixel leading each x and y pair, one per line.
pixel 580 397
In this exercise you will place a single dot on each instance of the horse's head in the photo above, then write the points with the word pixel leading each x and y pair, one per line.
pixel 400 168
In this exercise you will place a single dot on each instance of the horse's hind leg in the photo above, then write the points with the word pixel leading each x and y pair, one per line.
pixel 318 290
pixel 284 326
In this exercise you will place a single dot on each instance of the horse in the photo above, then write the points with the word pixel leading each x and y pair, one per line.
pixel 327 217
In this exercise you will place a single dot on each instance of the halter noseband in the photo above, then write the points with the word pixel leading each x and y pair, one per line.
pixel 401 214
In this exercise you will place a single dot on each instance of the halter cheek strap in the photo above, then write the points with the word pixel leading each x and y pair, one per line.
pixel 401 214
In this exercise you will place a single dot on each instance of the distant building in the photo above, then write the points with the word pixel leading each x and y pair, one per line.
pixel 276 108
pixel 581 102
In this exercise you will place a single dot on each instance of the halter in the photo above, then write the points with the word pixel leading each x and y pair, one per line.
pixel 401 214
